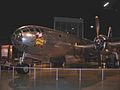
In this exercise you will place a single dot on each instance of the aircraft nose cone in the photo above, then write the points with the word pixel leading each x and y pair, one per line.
pixel 27 37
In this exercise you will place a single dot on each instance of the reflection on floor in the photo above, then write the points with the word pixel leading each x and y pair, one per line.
pixel 46 80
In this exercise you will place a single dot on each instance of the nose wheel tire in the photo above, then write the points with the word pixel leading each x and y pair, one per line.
pixel 22 68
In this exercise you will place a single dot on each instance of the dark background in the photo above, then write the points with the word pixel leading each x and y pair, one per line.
pixel 15 13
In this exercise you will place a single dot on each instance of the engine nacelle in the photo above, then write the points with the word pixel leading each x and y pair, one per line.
pixel 100 42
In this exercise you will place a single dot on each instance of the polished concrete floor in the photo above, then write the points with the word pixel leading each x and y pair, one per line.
pixel 112 83
pixel 66 80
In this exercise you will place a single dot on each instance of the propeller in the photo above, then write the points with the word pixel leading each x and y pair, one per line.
pixel 101 42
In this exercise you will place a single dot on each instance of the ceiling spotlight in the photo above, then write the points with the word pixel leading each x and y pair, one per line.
pixel 106 4
pixel 91 26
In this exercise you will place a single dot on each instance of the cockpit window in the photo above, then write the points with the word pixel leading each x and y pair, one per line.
pixel 25 30
pixel 31 29
pixel 37 30
pixel 17 32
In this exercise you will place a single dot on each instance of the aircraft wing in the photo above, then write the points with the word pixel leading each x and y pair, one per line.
pixel 84 46
pixel 84 43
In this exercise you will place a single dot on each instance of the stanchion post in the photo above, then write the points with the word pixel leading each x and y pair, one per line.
pixel 30 69
pixel 102 74
pixel 34 76
pixel 56 74
pixel 34 73
pixel 13 71
pixel 80 74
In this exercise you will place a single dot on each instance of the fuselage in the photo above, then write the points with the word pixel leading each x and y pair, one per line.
pixel 38 42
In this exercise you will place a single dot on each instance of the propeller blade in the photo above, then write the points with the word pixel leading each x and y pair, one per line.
pixel 109 32
pixel 97 25
pixel 117 44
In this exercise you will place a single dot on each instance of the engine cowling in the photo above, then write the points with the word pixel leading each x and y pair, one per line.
pixel 100 42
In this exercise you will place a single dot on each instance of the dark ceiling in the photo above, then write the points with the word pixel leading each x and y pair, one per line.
pixel 16 13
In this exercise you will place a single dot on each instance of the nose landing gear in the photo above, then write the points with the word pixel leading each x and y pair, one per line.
pixel 22 68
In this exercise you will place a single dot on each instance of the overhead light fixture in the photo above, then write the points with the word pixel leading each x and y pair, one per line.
pixel 106 4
